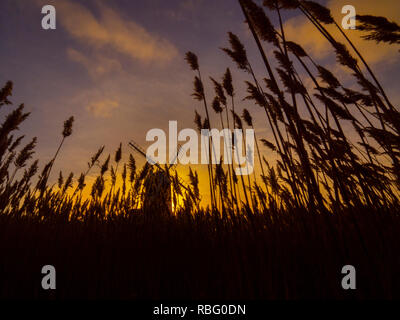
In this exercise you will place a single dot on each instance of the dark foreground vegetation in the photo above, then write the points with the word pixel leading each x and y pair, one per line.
pixel 331 199
pixel 283 255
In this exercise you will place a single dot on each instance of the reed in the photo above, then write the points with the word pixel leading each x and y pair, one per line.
pixel 332 195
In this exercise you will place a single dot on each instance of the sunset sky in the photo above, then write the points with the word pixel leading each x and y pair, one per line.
pixel 118 66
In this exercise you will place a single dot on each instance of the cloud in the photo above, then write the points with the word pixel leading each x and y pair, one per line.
pixel 103 108
pixel 111 30
pixel 97 66
pixel 185 11
pixel 302 31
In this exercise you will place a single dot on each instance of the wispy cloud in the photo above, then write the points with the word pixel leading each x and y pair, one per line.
pixel 97 65
pixel 103 108
pixel 112 31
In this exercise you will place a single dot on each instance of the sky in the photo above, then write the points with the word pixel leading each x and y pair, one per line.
pixel 118 66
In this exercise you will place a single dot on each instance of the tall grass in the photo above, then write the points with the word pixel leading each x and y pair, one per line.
pixel 330 199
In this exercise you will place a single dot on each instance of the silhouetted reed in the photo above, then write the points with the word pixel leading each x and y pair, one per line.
pixel 331 196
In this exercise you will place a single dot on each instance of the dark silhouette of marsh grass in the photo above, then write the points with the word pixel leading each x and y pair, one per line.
pixel 328 200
